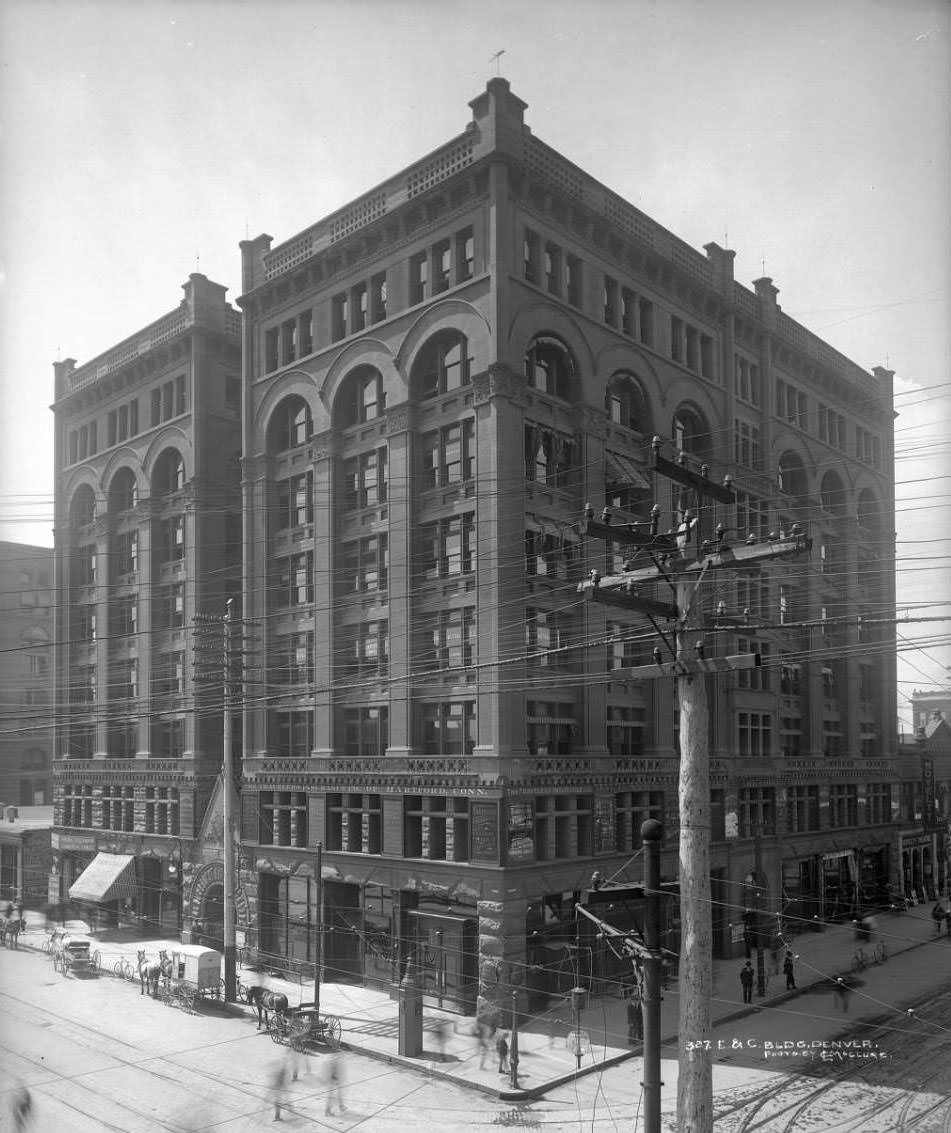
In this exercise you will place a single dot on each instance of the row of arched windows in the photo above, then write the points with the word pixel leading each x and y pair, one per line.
pixel 444 364
pixel 122 492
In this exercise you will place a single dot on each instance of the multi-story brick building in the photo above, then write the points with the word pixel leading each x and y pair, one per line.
pixel 147 535
pixel 26 682
pixel 437 378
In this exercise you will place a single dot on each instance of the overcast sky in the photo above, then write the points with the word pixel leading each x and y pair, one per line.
pixel 141 141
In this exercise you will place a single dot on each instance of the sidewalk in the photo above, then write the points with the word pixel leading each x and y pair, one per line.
pixel 369 1017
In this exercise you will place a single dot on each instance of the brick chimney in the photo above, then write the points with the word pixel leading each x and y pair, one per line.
pixel 499 116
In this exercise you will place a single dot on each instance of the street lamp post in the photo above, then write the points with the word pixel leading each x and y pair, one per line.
pixel 319 946
pixel 513 1048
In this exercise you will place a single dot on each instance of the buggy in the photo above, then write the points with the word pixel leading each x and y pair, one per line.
pixel 73 952
pixel 301 1025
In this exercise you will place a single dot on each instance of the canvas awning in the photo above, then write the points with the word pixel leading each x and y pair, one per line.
pixel 108 877
pixel 623 472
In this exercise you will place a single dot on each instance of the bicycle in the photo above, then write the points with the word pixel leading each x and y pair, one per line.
pixel 124 970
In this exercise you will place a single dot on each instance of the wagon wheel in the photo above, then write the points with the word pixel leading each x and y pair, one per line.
pixel 186 996
pixel 298 1032
pixel 277 1028
pixel 331 1031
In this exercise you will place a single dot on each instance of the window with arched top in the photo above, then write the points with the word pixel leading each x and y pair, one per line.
pixel 550 367
pixel 291 425
pixel 442 365
pixel 832 494
pixel 690 432
pixel 625 403
pixel 869 515
pixel 791 475
pixel 361 397
pixel 169 474
pixel 123 491
pixel 82 507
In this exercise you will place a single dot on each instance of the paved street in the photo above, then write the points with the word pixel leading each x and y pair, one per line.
pixel 98 1055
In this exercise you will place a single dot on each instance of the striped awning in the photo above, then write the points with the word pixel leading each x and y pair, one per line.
pixel 108 877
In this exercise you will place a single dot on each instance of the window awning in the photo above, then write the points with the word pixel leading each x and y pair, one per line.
pixel 108 877
pixel 623 472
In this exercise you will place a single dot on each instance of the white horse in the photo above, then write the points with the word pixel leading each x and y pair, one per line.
pixel 150 971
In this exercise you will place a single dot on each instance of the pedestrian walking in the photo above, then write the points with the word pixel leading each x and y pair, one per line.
pixel 441 1034
pixel 841 992
pixel 635 1016
pixel 483 1034
pixel 937 915
pixel 788 972
pixel 502 1050
pixel 278 1086
pixel 746 979
pixel 334 1084
pixel 21 1107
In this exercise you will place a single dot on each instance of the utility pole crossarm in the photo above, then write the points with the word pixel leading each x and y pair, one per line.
pixel 734 557
pixel 686 668
pixel 632 944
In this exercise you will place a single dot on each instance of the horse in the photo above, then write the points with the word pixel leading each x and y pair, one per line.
pixel 12 927
pixel 266 1000
pixel 149 973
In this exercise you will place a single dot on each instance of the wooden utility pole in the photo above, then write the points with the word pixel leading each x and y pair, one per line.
pixel 695 1067
pixel 682 559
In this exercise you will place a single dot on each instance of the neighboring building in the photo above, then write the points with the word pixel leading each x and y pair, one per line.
pixel 25 859
pixel 926 707
pixel 437 378
pixel 147 536
pixel 924 840
pixel 26 673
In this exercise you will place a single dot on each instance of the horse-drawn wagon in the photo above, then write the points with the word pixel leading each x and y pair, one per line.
pixel 295 1026
pixel 73 952
pixel 190 973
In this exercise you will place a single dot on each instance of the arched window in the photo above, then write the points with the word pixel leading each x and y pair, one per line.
pixel 169 475
pixel 443 365
pixel 361 397
pixel 833 494
pixel 869 515
pixel 625 404
pixel 123 491
pixel 690 432
pixel 291 425
pixel 791 475
pixel 82 507
pixel 550 367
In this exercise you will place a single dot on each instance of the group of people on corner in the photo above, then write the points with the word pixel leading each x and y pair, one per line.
pixel 748 975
